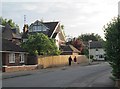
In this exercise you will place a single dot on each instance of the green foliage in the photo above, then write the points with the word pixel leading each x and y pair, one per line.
pixel 92 36
pixel 10 22
pixel 85 51
pixel 86 37
pixel 40 44
pixel 112 45
pixel 91 56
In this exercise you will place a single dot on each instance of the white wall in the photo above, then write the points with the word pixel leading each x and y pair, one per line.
pixel 97 54
pixel 57 40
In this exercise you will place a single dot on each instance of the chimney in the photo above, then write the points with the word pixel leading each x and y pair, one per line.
pixel 25 28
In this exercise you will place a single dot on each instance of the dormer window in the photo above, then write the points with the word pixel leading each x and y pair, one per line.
pixel 37 27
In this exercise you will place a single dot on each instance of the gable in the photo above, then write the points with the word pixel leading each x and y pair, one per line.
pixel 37 26
pixel 51 26
pixel 7 33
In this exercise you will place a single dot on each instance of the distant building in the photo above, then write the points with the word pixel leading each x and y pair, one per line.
pixel 69 50
pixel 51 29
pixel 97 50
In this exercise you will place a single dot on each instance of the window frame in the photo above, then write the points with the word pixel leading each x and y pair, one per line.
pixel 22 58
pixel 12 58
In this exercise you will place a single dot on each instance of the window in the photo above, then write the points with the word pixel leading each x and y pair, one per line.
pixel 44 29
pixel 37 28
pixel 101 56
pixel 11 58
pixel 96 49
pixel 24 40
pixel 22 58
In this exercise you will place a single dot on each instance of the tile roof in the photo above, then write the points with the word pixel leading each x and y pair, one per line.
pixel 54 35
pixel 69 48
pixel 51 26
pixel 96 44
pixel 12 31
pixel 10 46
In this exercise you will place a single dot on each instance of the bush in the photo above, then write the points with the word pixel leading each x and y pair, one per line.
pixel 112 45
pixel 40 44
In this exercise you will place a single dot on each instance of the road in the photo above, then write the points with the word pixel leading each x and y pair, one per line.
pixel 73 76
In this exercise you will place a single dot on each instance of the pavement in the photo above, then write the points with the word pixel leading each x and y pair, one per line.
pixel 104 81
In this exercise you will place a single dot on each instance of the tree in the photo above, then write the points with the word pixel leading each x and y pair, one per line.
pixel 92 36
pixel 77 43
pixel 40 44
pixel 10 22
pixel 112 45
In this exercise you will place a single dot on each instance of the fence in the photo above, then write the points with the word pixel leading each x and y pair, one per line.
pixel 61 60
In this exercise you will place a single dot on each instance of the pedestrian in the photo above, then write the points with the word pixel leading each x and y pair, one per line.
pixel 75 59
pixel 70 60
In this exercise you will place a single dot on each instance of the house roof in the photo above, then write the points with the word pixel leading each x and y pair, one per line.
pixel 9 33
pixel 51 26
pixel 69 48
pixel 10 46
pixel 25 35
pixel 96 44
pixel 54 35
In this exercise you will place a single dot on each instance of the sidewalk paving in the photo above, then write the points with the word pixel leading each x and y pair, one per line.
pixel 8 75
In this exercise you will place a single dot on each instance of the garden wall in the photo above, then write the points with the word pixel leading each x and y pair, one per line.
pixel 61 60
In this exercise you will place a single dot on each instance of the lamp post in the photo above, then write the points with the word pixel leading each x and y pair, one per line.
pixel 89 50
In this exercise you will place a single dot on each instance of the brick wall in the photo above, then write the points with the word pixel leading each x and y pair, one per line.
pixel 18 68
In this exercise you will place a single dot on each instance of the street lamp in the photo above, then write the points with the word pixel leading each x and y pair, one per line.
pixel 89 50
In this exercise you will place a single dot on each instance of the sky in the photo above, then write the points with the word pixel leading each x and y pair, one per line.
pixel 77 16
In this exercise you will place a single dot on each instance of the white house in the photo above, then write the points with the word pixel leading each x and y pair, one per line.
pixel 97 50
pixel 51 29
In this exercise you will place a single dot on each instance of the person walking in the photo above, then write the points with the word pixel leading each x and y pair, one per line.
pixel 75 59
pixel 70 60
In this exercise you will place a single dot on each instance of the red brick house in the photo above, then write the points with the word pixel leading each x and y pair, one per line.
pixel 12 54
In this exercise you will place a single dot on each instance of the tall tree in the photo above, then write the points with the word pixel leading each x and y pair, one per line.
pixel 112 45
pixel 92 36
pixel 40 44
pixel 77 43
